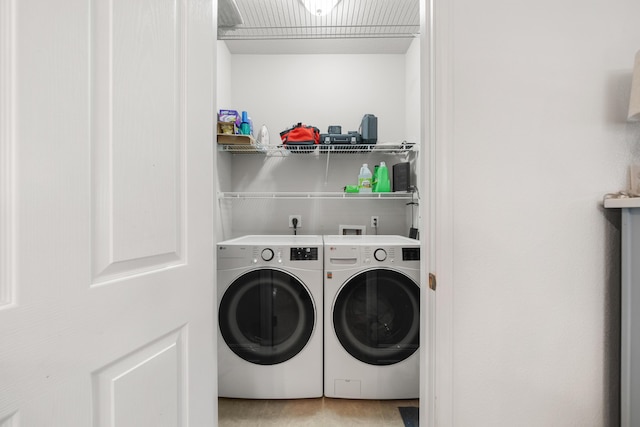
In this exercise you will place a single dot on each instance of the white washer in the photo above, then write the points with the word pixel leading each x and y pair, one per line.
pixel 270 317
pixel 372 317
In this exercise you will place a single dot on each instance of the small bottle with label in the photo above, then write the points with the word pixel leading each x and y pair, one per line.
pixel 364 179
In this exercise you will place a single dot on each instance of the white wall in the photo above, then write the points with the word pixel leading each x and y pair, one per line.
pixel 538 136
pixel 321 90
pixel 412 92
pixel 223 76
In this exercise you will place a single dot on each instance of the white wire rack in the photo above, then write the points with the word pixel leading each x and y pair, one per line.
pixel 400 148
pixel 288 19
pixel 315 195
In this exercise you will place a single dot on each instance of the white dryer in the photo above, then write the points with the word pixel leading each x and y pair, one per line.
pixel 372 317
pixel 270 315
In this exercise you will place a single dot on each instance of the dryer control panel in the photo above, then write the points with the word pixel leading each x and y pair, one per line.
pixel 389 255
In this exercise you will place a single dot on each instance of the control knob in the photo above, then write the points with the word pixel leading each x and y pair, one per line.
pixel 380 254
pixel 267 254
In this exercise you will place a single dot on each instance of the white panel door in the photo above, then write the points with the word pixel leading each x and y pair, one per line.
pixel 106 245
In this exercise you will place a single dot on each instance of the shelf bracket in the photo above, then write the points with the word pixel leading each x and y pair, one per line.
pixel 326 170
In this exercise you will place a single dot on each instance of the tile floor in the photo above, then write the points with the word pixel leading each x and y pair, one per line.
pixel 320 412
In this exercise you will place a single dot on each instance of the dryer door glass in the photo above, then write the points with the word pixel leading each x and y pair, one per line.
pixel 376 317
pixel 266 316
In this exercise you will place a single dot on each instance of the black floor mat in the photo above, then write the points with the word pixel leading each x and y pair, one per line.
pixel 409 415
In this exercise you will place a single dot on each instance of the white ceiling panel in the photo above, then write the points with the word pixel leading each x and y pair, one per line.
pixel 375 24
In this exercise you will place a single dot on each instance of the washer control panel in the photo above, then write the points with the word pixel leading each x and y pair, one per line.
pixel 278 255
pixel 304 254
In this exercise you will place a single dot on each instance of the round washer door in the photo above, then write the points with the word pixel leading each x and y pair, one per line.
pixel 266 316
pixel 376 317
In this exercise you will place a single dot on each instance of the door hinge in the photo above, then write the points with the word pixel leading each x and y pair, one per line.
pixel 432 281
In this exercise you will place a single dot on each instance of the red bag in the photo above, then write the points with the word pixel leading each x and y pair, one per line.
pixel 300 135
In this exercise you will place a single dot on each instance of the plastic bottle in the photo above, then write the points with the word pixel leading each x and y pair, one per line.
pixel 374 181
pixel 245 126
pixel 383 183
pixel 262 140
pixel 364 179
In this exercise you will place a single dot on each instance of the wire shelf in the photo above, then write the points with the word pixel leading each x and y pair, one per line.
pixel 401 148
pixel 315 195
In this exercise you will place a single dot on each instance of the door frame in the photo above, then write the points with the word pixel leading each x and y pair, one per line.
pixel 436 161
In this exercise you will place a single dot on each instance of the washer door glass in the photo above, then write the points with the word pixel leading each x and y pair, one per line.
pixel 376 317
pixel 266 316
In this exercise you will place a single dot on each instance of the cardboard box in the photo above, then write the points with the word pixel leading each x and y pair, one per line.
pixel 225 139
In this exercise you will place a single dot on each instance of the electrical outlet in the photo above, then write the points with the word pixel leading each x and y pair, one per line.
pixel 298 217
pixel 375 222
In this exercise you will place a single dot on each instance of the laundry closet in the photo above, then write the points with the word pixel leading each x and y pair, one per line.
pixel 320 83
pixel 323 83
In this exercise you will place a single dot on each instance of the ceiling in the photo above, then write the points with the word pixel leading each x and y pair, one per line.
pixel 285 26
